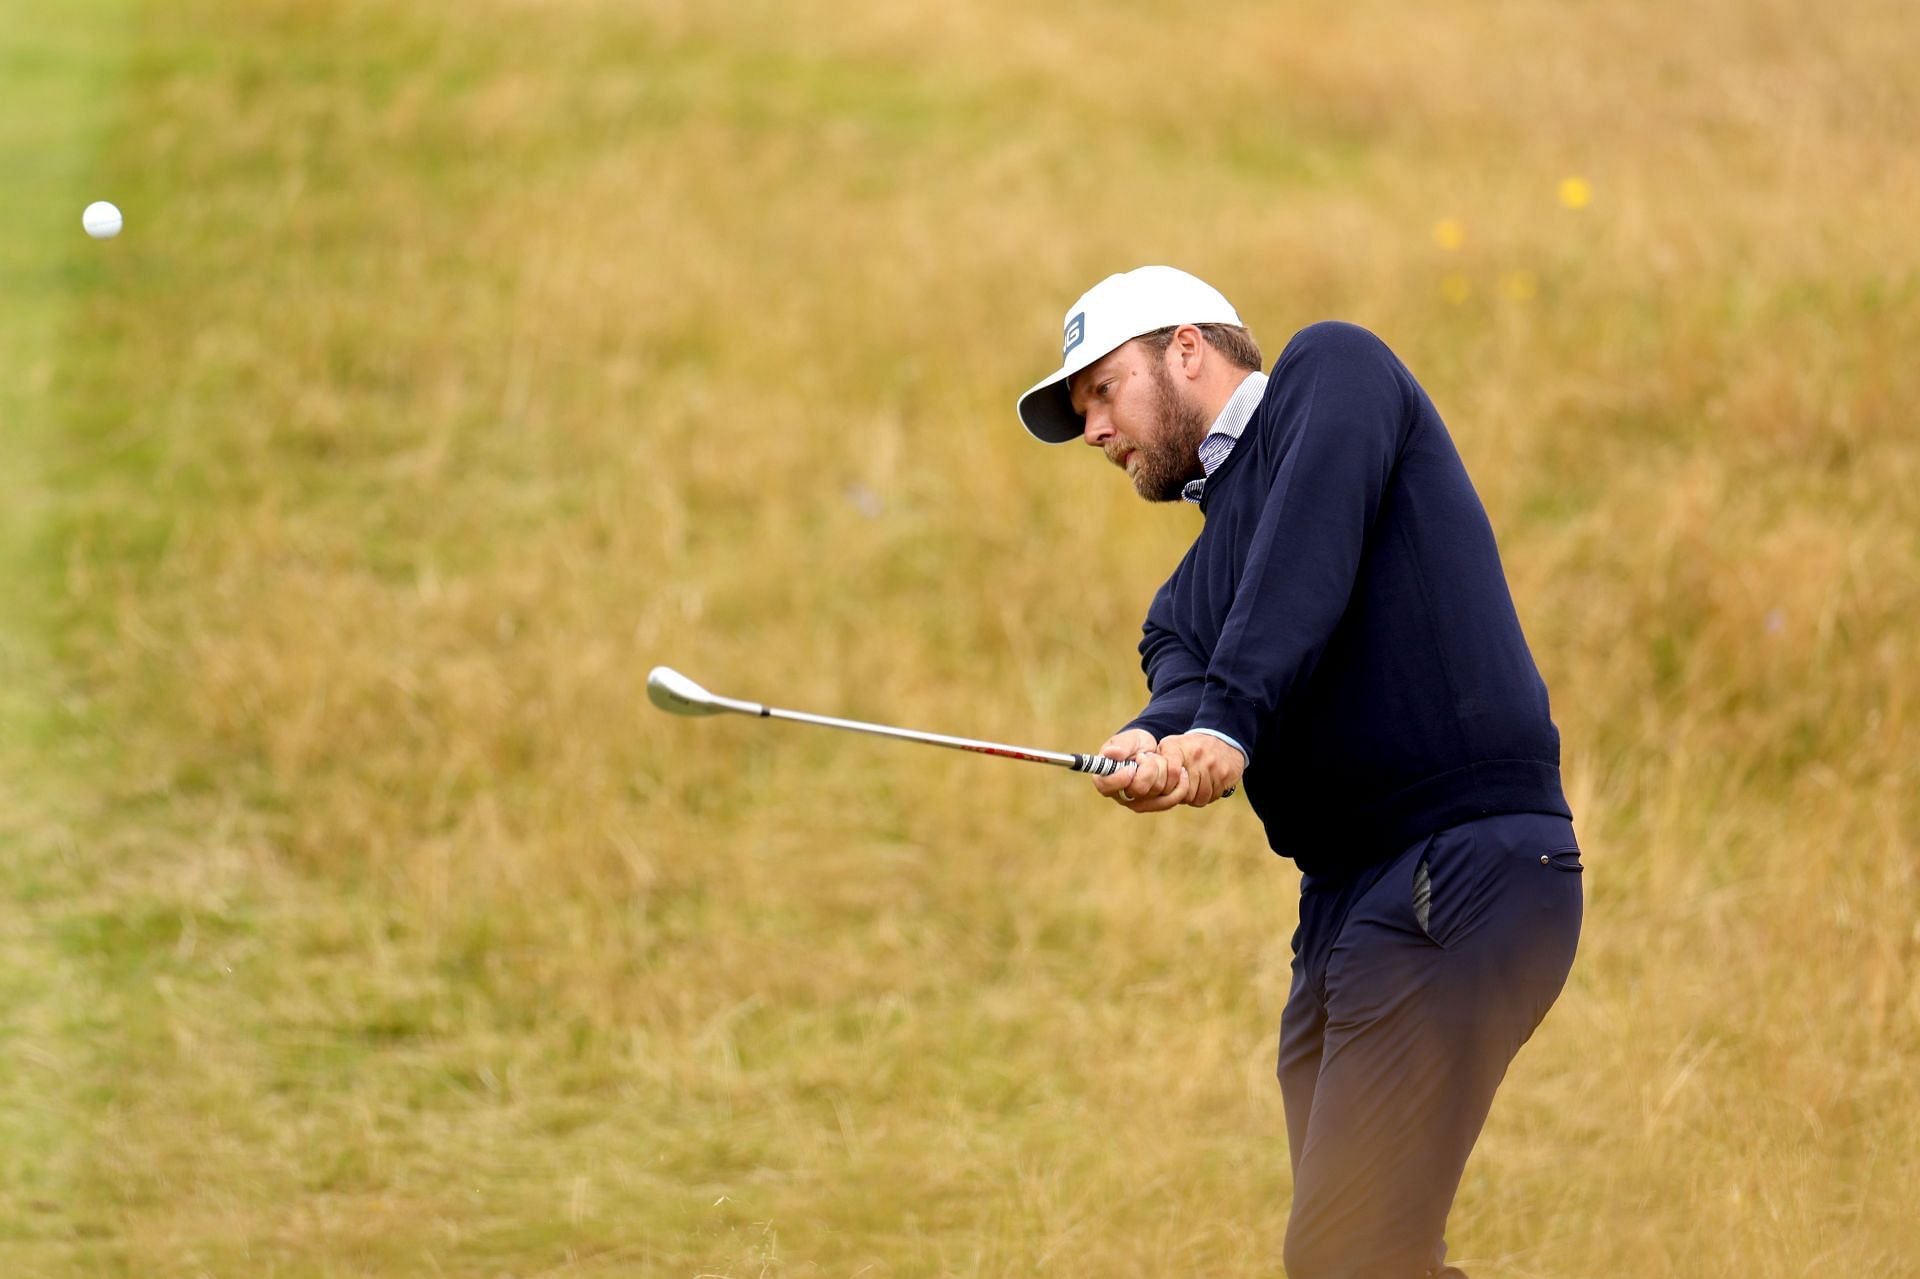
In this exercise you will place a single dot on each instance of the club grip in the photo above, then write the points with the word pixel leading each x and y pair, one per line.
pixel 1101 766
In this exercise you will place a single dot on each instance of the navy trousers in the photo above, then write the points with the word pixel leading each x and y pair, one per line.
pixel 1414 983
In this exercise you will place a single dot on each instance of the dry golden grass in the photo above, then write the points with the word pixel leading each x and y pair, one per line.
pixel 460 363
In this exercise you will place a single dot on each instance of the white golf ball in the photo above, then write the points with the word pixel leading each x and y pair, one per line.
pixel 101 220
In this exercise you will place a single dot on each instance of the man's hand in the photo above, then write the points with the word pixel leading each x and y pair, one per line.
pixel 1152 785
pixel 1212 768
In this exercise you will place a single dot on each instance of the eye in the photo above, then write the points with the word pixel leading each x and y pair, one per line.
pixel 1104 387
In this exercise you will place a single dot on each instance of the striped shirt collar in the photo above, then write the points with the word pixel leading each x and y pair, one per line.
pixel 1226 431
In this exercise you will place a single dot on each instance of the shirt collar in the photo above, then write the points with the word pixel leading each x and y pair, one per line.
pixel 1226 430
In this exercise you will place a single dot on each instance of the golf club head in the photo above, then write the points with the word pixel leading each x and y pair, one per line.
pixel 675 693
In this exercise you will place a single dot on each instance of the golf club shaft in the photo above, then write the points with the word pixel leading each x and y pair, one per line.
pixel 1098 765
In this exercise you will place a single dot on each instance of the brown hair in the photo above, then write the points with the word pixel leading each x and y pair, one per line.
pixel 1230 340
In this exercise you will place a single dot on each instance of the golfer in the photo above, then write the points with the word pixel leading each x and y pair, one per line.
pixel 1339 642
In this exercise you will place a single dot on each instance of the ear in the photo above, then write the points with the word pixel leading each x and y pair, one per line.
pixel 1187 353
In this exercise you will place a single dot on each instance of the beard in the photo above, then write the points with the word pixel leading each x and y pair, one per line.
pixel 1164 466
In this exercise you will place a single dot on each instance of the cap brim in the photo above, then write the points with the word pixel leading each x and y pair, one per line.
pixel 1046 410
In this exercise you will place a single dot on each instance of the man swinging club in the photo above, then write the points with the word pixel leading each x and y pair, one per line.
pixel 1340 641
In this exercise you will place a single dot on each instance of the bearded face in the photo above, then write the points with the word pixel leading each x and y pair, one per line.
pixel 1139 414
pixel 1161 463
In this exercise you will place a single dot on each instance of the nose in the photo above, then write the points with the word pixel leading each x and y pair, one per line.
pixel 1097 430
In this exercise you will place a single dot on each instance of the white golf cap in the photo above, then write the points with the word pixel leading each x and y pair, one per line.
pixel 1111 313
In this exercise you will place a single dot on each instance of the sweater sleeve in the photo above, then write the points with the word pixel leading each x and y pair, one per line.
pixel 1175 677
pixel 1339 425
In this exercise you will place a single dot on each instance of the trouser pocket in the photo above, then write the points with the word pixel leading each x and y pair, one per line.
pixel 1565 859
pixel 1423 895
pixel 1486 874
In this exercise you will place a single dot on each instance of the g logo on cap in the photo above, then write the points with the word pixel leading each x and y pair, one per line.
pixel 1076 333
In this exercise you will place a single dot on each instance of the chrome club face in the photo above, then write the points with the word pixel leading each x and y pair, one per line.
pixel 673 692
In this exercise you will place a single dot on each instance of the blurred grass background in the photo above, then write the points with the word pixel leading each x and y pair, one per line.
pixel 460 362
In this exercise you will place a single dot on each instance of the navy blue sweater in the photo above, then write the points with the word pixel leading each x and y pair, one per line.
pixel 1343 614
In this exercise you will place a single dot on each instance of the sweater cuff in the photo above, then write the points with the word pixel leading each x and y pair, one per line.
pixel 1214 732
pixel 1234 718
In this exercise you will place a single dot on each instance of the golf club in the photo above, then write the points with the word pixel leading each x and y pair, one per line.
pixel 673 692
